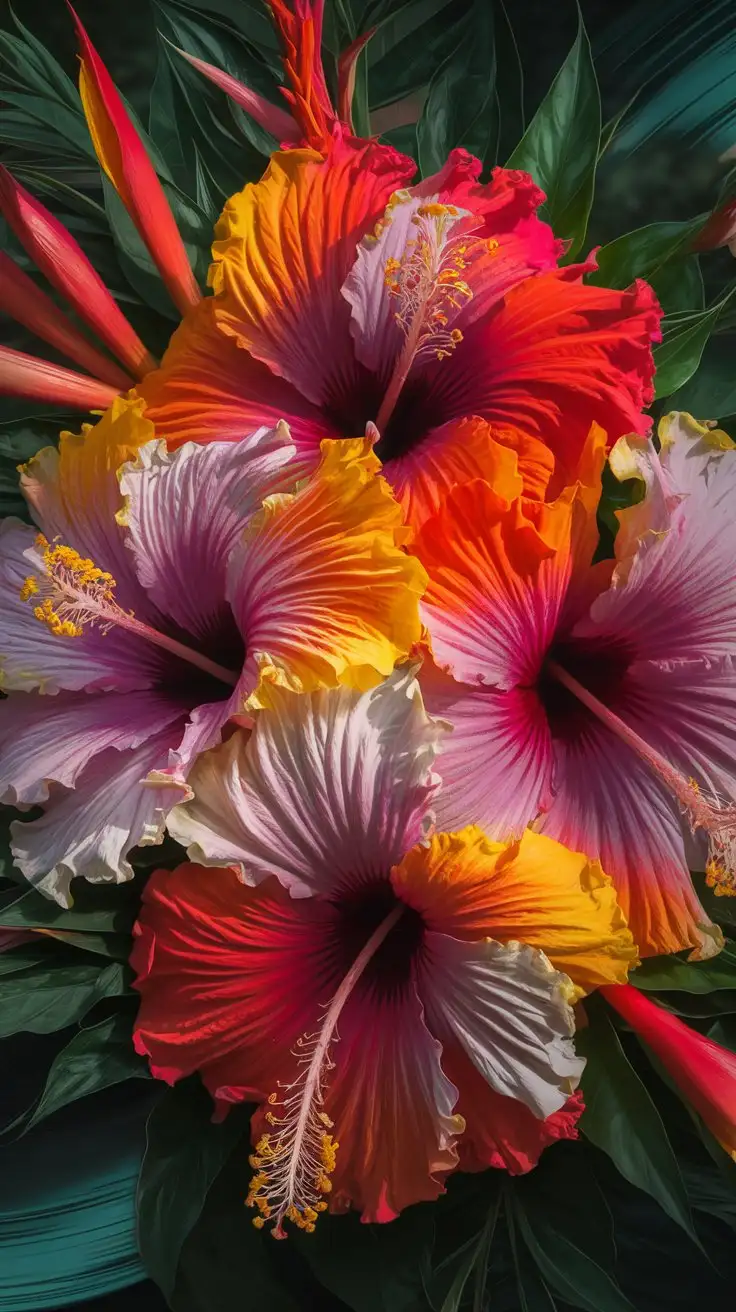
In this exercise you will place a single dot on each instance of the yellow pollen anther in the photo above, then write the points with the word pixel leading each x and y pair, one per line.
pixel 71 591
pixel 720 879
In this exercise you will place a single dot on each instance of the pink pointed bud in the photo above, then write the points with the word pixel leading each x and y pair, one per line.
pixel 270 117
pixel 25 375
pixel 125 160
pixel 61 259
pixel 703 1070
pixel 27 304
pixel 346 70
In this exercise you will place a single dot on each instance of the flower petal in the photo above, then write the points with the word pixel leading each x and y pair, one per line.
pixel 392 1106
pixel 534 890
pixel 497 763
pixel 553 357
pixel 208 389
pixel 184 512
pixel 663 603
pixel 229 978
pixel 499 1131
pixel 61 259
pixel 284 247
pixel 33 657
pixel 497 584
pixel 300 30
pixel 332 785
pixel 609 804
pixel 75 494
pixel 508 1009
pixel 320 588
pixel 125 160
pixel 88 832
pixel 51 740
pixel 455 453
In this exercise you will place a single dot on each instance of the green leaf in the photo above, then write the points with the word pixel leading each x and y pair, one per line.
pixel 405 54
pixel 19 443
pixel 563 1265
pixel 675 973
pixel 227 1264
pixel 96 909
pixel 560 146
pixel 710 393
pixel 371 1268
pixel 23 957
pixel 534 1296
pixel 184 1153
pixel 679 285
pixel 458 109
pixel 684 338
pixel 474 1260
pixel 641 253
pixel 93 1060
pixel 49 997
pixel 621 1119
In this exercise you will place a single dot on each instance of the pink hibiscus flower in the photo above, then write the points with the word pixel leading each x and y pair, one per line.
pixel 385 997
pixel 597 701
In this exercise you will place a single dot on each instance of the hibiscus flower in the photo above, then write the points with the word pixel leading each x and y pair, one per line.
pixel 161 601
pixel 346 301
pixel 383 995
pixel 597 700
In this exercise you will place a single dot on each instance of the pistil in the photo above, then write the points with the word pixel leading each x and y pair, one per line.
pixel 293 1164
pixel 73 595
pixel 717 818
pixel 429 288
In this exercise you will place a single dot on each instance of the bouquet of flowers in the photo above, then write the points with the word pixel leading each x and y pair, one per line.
pixel 368 674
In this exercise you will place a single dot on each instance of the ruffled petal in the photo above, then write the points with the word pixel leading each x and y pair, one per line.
pixel 320 588
pixel 508 1009
pixel 229 978
pixel 497 763
pixel 330 786
pixel 31 656
pixel 88 831
pixel 283 248
pixel 75 495
pixel 455 453
pixel 673 595
pixel 208 389
pixel 555 356
pixel 535 891
pixel 497 584
pixel 184 512
pixel 393 1107
pixel 499 1131
pixel 52 740
pixel 609 804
